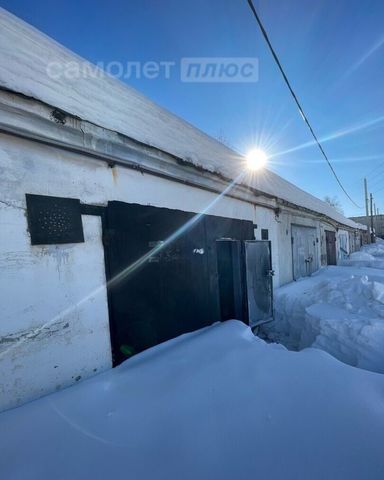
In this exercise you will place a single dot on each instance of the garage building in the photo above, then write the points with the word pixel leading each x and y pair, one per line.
pixel 123 226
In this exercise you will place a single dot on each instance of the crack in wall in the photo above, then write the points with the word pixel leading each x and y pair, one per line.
pixel 12 205
pixel 38 333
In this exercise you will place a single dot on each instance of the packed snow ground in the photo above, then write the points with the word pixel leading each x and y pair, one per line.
pixel 339 309
pixel 219 403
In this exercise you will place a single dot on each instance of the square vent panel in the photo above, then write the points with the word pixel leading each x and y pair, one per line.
pixel 53 220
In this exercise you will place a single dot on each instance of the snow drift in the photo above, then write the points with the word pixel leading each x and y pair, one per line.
pixel 215 404
pixel 370 256
pixel 375 249
pixel 340 310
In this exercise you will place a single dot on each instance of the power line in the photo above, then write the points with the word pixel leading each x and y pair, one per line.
pixel 378 177
pixel 265 35
pixel 377 181
pixel 375 169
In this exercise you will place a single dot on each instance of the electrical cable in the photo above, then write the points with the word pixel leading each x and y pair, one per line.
pixel 305 118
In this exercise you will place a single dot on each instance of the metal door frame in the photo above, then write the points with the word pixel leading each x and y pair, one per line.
pixel 261 322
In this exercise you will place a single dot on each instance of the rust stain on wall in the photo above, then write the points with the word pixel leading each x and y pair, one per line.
pixel 114 173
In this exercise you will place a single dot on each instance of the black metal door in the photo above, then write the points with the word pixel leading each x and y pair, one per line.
pixel 330 239
pixel 159 289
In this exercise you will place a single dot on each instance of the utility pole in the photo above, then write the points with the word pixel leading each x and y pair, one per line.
pixel 372 233
pixel 366 202
pixel 366 199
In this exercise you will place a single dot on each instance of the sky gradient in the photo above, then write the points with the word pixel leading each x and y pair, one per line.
pixel 332 51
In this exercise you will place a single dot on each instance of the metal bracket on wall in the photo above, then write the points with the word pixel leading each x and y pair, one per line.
pixel 97 210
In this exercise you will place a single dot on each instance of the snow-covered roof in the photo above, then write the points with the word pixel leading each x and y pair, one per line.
pixel 25 54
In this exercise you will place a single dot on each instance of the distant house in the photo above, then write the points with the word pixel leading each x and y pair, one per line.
pixel 378 223
pixel 115 231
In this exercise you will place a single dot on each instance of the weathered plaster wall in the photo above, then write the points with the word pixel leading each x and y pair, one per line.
pixel 54 321
pixel 54 327
pixel 265 219
pixel 50 171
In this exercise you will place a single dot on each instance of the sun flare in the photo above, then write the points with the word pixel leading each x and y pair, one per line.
pixel 256 159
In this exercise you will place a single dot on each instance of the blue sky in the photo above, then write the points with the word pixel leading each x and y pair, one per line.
pixel 333 53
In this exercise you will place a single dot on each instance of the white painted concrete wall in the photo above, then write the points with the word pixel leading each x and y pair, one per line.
pixel 54 320
pixel 265 218
pixel 33 168
pixel 49 335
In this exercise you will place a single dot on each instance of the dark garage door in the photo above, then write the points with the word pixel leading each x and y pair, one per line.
pixel 175 290
pixel 330 239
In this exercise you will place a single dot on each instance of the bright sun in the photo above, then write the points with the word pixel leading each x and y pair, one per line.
pixel 256 159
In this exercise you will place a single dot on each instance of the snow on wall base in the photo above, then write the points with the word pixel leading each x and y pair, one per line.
pixel 217 404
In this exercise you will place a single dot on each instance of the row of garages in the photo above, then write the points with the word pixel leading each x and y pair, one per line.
pixel 108 261
pixel 115 233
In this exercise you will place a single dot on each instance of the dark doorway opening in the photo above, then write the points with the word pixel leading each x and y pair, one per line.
pixel 245 280
pixel 330 240
pixel 232 288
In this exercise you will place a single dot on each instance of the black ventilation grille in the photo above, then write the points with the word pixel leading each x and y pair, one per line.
pixel 53 220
